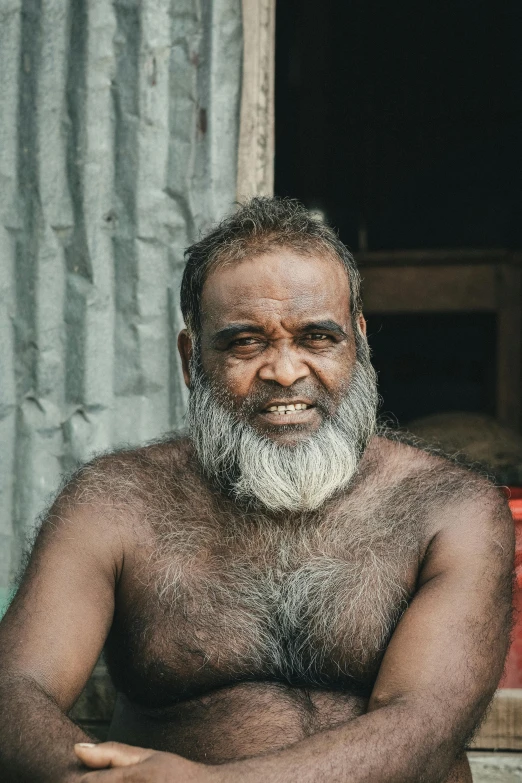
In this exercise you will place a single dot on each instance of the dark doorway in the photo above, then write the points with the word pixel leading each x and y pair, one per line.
pixel 434 362
pixel 402 123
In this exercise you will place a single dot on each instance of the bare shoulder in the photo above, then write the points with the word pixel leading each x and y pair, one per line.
pixel 118 491
pixel 449 492
pixel 126 474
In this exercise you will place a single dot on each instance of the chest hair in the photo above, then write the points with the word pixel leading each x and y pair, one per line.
pixel 302 598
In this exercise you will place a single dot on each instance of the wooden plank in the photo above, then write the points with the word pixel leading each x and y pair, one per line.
pixel 417 289
pixel 502 729
pixel 255 175
pixel 509 345
pixel 427 257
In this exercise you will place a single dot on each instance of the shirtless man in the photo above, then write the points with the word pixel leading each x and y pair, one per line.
pixel 282 594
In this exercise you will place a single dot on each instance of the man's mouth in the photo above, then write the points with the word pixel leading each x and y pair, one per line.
pixel 289 409
pixel 297 412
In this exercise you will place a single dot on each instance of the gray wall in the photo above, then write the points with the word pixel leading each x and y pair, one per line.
pixel 119 128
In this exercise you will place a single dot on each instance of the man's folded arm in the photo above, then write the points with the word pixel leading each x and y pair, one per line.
pixel 52 636
pixel 439 672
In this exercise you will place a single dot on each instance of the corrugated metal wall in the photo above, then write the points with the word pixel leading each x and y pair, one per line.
pixel 119 128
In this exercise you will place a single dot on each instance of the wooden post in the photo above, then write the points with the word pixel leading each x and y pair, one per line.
pixel 256 134
pixel 509 344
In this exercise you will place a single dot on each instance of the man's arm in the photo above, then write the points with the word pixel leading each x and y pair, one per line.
pixel 439 672
pixel 51 638
pixel 438 675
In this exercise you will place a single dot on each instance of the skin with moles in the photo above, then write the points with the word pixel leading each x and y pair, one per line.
pixel 402 584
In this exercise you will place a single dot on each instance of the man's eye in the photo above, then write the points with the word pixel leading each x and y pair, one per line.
pixel 244 341
pixel 318 337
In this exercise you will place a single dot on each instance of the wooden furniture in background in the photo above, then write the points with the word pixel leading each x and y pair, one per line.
pixel 427 281
pixel 502 728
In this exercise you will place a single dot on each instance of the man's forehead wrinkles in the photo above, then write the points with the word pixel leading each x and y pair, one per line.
pixel 275 280
pixel 261 300
pixel 282 299
pixel 279 284
pixel 261 308
pixel 266 311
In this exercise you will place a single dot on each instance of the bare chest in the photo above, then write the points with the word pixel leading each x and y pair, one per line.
pixel 310 605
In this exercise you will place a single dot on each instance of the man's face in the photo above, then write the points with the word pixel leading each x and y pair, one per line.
pixel 276 331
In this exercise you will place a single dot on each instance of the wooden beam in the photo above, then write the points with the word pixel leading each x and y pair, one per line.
pixel 436 257
pixel 423 289
pixel 255 174
pixel 509 345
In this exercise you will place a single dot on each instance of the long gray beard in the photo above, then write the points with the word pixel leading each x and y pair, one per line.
pixel 256 470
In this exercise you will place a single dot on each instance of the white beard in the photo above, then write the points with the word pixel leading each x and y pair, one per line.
pixel 256 470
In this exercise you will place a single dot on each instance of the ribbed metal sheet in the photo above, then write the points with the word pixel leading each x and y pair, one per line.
pixel 118 145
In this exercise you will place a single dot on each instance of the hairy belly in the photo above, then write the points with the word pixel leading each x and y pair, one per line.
pixel 235 722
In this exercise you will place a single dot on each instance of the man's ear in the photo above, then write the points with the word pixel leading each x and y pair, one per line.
pixel 361 323
pixel 185 352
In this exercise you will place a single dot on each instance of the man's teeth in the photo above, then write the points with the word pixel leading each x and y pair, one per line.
pixel 283 410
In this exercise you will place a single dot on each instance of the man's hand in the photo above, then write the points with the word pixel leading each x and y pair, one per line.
pixel 118 762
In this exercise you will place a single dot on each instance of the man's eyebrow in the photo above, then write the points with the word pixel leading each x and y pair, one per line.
pixel 228 332
pixel 324 326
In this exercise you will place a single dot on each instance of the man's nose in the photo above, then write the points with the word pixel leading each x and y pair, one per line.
pixel 284 366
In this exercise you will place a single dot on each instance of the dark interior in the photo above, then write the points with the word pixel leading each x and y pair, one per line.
pixel 418 375
pixel 402 123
